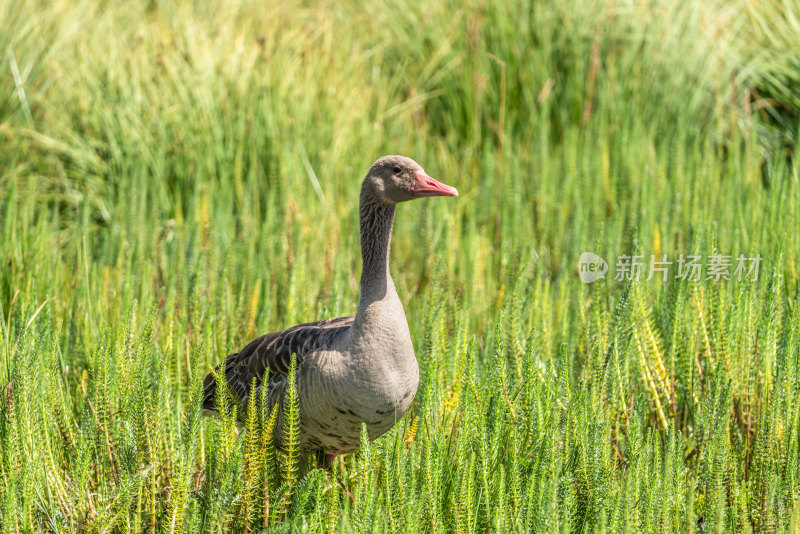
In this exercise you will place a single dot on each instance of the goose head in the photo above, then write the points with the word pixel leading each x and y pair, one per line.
pixel 395 179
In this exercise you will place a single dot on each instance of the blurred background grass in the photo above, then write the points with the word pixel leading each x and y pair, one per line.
pixel 206 157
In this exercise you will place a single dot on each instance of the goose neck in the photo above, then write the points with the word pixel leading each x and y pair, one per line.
pixel 376 219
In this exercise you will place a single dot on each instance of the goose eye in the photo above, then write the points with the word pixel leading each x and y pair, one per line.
pixel 397 169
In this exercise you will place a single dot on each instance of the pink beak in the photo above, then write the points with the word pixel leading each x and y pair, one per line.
pixel 425 186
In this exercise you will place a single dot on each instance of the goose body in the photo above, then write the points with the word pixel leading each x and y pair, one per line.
pixel 350 370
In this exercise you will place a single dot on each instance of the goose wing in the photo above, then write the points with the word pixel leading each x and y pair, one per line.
pixel 271 351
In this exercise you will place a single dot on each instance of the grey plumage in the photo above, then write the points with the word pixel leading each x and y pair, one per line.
pixel 272 351
pixel 350 370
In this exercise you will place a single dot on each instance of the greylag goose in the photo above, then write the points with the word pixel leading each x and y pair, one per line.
pixel 349 370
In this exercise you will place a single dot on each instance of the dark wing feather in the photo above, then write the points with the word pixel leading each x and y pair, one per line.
pixel 271 351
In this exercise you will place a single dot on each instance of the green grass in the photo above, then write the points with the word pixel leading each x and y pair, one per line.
pixel 177 178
